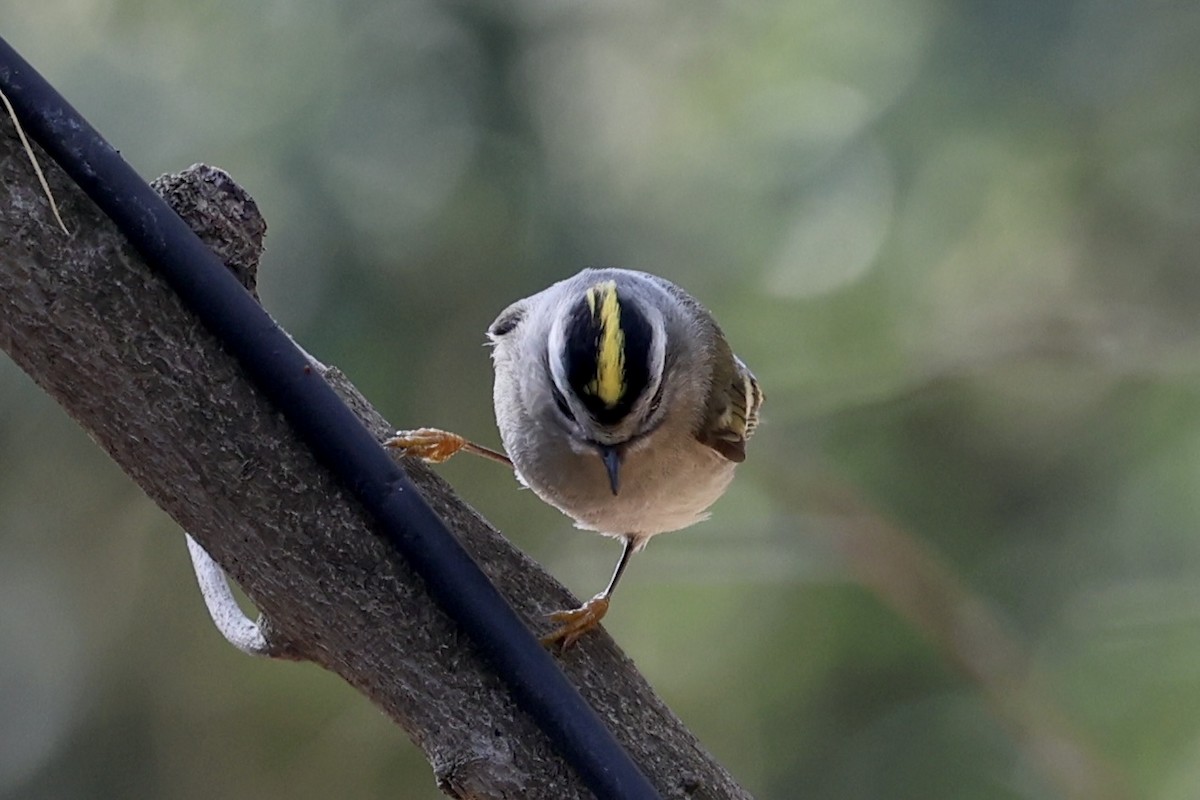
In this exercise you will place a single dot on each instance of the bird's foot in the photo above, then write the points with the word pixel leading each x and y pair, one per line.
pixel 431 445
pixel 576 622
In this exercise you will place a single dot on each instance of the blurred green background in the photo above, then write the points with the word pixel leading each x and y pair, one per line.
pixel 956 241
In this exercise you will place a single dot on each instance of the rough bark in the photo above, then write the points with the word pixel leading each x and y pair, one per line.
pixel 112 344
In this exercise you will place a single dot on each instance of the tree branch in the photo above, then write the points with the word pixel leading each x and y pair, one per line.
pixel 113 345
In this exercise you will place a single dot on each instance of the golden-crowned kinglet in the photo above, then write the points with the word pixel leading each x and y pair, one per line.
pixel 621 404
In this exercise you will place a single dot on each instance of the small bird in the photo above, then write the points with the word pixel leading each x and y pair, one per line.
pixel 621 404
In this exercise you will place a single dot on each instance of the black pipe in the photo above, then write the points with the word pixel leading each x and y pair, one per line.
pixel 337 438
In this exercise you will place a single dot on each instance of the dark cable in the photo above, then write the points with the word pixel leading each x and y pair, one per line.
pixel 337 438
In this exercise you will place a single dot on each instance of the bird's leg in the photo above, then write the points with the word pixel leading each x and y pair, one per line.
pixel 435 446
pixel 578 621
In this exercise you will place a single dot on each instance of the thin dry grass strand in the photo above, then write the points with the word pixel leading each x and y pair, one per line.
pixel 33 160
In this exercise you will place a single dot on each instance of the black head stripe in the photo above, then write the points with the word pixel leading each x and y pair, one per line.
pixel 581 348
pixel 581 358
pixel 638 338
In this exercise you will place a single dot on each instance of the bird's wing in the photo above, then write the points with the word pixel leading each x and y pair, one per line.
pixel 732 411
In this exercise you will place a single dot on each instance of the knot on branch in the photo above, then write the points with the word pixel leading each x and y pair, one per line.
pixel 221 213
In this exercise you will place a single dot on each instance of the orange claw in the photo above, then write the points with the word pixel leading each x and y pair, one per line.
pixel 428 444
pixel 576 622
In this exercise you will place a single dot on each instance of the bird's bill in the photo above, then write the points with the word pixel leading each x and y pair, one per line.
pixel 612 463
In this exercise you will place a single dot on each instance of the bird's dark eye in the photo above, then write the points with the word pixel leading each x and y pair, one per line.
pixel 561 402
pixel 656 401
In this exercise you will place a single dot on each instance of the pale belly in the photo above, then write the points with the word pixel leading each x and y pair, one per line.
pixel 659 493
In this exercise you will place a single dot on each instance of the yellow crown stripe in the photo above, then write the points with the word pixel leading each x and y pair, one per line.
pixel 609 384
